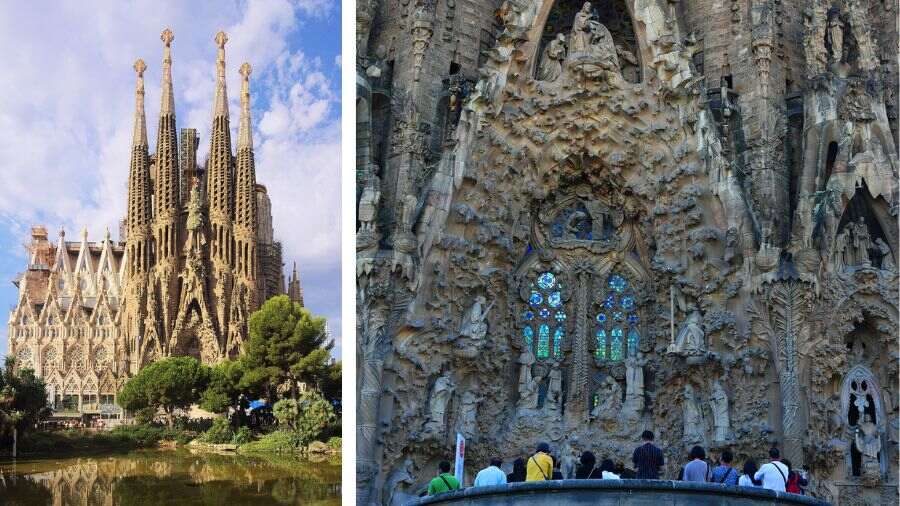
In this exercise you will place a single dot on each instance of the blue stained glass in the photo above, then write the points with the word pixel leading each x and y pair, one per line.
pixel 544 313
pixel 633 339
pixel 632 318
pixel 615 345
pixel 617 283
pixel 601 344
pixel 557 342
pixel 546 280
pixel 543 344
pixel 560 316
pixel 610 301
pixel 628 303
pixel 528 333
pixel 528 315
pixel 535 299
pixel 554 299
pixel 601 317
pixel 618 316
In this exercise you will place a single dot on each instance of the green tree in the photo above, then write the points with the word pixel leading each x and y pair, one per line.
pixel 307 415
pixel 23 399
pixel 287 344
pixel 330 384
pixel 224 389
pixel 167 384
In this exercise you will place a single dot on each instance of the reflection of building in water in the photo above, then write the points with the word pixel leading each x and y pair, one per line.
pixel 682 216
pixel 197 255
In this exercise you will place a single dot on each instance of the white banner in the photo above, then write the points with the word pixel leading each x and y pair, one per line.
pixel 460 458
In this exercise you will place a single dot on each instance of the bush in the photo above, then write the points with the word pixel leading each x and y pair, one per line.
pixel 278 441
pixel 334 442
pixel 307 416
pixel 242 436
pixel 219 433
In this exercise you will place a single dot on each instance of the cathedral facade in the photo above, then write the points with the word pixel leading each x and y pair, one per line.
pixel 580 220
pixel 196 257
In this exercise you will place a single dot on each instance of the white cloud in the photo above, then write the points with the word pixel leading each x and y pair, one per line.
pixel 67 105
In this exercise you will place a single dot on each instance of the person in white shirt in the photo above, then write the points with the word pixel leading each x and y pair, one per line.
pixel 774 474
pixel 491 475
pixel 606 470
pixel 746 479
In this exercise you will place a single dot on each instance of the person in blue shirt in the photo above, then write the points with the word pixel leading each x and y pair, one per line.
pixel 724 473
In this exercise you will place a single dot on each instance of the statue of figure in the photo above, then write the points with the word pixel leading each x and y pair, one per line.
pixel 887 260
pixel 841 243
pixel 634 383
pixel 573 222
pixel 368 204
pixel 718 403
pixel 861 242
pixel 568 461
pixel 554 391
pixel 402 474
pixel 528 386
pixel 407 210
pixel 836 36
pixel 552 58
pixel 474 325
pixel 610 400
pixel 694 427
pixel 580 38
pixel 690 339
pixel 867 439
pixel 468 412
pixel 437 405
pixel 517 16
pixel 195 238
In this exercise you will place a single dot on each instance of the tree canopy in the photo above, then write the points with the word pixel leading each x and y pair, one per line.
pixel 169 384
pixel 23 398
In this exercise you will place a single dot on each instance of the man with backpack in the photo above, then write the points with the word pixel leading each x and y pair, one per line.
pixel 724 473
pixel 443 482
pixel 774 475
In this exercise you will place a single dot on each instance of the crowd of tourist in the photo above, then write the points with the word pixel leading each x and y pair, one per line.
pixel 777 474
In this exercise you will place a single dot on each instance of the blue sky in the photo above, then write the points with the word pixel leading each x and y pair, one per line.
pixel 66 116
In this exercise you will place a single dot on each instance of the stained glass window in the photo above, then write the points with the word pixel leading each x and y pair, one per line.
pixel 545 315
pixel 617 335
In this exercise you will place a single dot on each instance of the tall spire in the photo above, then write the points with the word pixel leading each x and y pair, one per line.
pixel 140 121
pixel 245 139
pixel 219 174
pixel 168 97
pixel 295 291
pixel 221 105
pixel 139 211
pixel 167 188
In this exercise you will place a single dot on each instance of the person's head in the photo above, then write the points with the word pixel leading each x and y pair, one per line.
pixel 727 457
pixel 496 462
pixel 588 459
pixel 519 466
pixel 608 466
pixel 444 466
pixel 787 463
pixel 697 452
pixel 647 436
pixel 543 447
pixel 774 454
pixel 750 467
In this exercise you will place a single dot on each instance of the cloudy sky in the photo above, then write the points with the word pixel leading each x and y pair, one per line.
pixel 66 117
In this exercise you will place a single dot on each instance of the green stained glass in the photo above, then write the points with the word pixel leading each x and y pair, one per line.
pixel 615 345
pixel 633 340
pixel 601 344
pixel 558 336
pixel 528 334
pixel 543 344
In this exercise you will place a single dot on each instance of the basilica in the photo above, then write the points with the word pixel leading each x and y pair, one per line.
pixel 196 256
pixel 580 220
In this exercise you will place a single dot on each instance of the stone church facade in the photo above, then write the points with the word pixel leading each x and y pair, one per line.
pixel 196 257
pixel 577 221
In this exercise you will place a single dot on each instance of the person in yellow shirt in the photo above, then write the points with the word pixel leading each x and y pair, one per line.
pixel 540 465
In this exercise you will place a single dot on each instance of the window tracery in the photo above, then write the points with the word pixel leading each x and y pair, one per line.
pixel 616 335
pixel 544 318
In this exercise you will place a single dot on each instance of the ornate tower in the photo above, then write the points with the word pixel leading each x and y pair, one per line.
pixel 220 195
pixel 244 295
pixel 167 201
pixel 138 223
pixel 295 291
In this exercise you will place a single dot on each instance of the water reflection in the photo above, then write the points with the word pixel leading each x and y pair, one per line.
pixel 159 477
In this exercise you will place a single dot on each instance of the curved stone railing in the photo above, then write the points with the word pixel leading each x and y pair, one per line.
pixel 618 492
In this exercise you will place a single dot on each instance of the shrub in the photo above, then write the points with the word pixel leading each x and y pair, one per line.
pixel 334 442
pixel 307 416
pixel 278 441
pixel 219 433
pixel 242 436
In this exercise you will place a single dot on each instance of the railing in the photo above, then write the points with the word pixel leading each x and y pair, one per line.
pixel 618 492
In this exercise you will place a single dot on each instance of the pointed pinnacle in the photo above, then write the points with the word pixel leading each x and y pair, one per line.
pixel 167 37
pixel 140 67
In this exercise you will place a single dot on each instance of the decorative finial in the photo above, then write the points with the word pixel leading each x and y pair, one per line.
pixel 167 37
pixel 62 231
pixel 245 70
pixel 84 233
pixel 221 39
pixel 140 67
pixel 107 234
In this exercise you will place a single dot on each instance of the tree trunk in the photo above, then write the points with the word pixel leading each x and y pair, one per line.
pixel 15 440
pixel 170 416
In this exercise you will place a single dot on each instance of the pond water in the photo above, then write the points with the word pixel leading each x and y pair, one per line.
pixel 169 477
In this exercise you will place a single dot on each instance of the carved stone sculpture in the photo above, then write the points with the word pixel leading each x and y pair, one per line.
pixel 634 384
pixel 554 391
pixel 718 403
pixel 836 36
pixel 552 58
pixel 368 204
pixel 474 324
pixel 694 431
pixel 609 400
pixel 887 259
pixel 580 37
pixel 690 341
pixel 437 405
pixel 868 443
pixel 528 385
pixel 468 413
pixel 861 242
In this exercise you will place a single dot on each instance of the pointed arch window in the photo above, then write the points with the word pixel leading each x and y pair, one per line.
pixel 544 317
pixel 616 320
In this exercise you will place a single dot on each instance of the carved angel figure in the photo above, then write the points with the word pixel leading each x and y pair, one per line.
pixel 552 58
pixel 528 387
pixel 690 339
pixel 368 204
pixel 437 405
pixel 580 37
pixel 867 440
